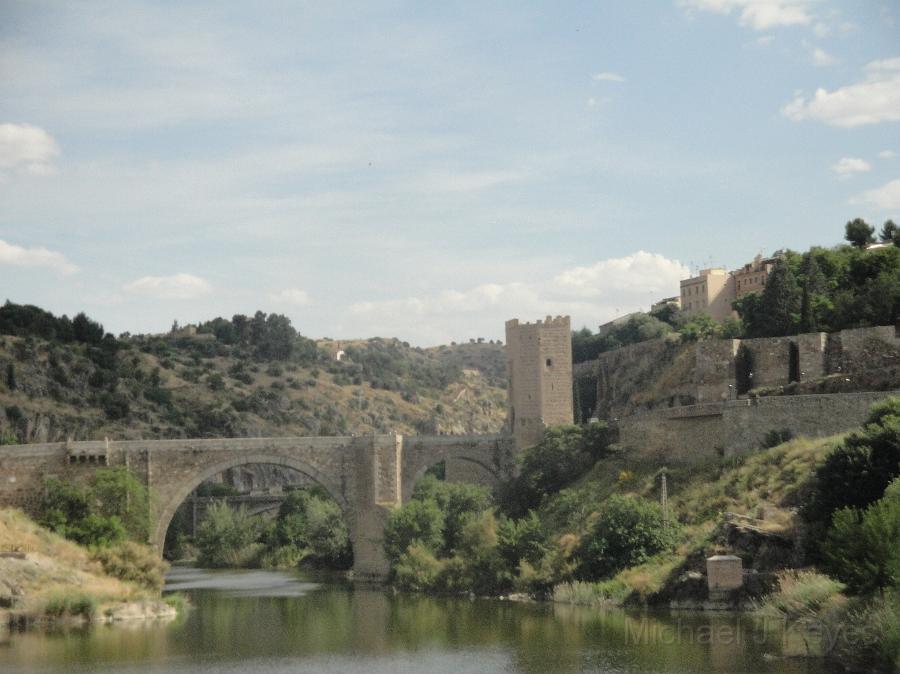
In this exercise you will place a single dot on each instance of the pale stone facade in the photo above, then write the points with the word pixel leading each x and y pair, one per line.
pixel 711 292
pixel 539 363
pixel 751 278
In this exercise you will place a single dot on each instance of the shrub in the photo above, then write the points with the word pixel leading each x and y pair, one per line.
pixel 857 472
pixel 417 569
pixel 226 537
pixel 863 547
pixel 419 522
pixel 457 501
pixel 134 562
pixel 70 603
pixel 522 540
pixel 627 532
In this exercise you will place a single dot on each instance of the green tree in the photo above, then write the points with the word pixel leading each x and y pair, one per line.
pixel 419 522
pixel 859 233
pixel 457 501
pixel 781 301
pixel 862 547
pixel 813 289
pixel 117 492
pixel 889 231
pixel 11 376
pixel 627 532
pixel 225 536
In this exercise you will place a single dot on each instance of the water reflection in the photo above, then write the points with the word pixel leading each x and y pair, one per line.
pixel 257 621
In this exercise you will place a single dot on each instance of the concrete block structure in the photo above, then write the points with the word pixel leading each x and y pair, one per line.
pixel 724 573
pixel 539 363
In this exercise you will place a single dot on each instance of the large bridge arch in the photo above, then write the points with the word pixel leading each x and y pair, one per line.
pixel 178 492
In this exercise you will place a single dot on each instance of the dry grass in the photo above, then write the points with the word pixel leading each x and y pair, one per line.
pixel 55 572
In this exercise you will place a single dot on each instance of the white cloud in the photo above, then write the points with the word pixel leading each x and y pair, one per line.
pixel 887 154
pixel 847 166
pixel 764 40
pixel 27 149
pixel 641 272
pixel 292 296
pixel 179 286
pixel 820 57
pixel 875 99
pixel 758 14
pixel 607 77
pixel 591 294
pixel 886 197
pixel 17 256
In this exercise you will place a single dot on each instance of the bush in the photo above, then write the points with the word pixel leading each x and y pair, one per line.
pixel 627 532
pixel 133 562
pixel 71 603
pixel 858 471
pixel 419 522
pixel 457 501
pixel 863 547
pixel 226 537
pixel 563 455
pixel 417 569
pixel 522 540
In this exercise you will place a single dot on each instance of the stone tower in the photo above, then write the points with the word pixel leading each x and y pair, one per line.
pixel 539 364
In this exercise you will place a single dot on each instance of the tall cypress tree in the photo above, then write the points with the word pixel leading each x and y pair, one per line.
pixel 813 285
pixel 781 302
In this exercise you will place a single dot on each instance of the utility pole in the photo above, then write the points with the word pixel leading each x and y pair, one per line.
pixel 664 498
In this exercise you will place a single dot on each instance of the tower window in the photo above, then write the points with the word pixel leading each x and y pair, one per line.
pixel 549 362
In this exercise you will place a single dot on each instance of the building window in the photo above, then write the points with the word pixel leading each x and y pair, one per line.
pixel 549 362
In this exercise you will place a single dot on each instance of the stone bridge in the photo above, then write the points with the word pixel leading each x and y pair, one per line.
pixel 366 475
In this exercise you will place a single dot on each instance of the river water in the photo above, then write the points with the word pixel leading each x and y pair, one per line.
pixel 262 622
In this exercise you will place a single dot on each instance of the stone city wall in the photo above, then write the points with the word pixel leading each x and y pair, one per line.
pixel 700 432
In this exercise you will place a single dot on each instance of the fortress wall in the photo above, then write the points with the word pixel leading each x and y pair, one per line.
pixel 23 469
pixel 771 358
pixel 812 347
pixel 701 432
pixel 867 349
pixel 634 376
pixel 714 372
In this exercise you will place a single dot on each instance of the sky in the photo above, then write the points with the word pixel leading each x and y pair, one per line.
pixel 429 170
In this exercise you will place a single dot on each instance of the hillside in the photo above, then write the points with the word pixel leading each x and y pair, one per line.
pixel 250 376
pixel 45 576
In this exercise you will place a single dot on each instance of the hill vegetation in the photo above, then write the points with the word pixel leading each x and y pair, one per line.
pixel 248 375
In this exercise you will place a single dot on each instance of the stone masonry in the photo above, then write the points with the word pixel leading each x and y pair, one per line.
pixel 539 364
pixel 366 475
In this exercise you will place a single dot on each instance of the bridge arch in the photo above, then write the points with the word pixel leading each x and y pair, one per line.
pixel 179 492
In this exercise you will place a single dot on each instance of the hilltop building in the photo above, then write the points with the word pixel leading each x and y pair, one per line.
pixel 539 363
pixel 751 278
pixel 711 292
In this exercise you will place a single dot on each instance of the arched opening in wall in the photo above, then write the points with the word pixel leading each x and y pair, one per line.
pixel 585 398
pixel 743 370
pixel 454 469
pixel 259 515
pixel 794 362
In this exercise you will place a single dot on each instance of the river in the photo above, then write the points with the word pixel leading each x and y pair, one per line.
pixel 263 622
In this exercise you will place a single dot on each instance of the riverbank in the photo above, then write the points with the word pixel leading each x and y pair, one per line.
pixel 46 579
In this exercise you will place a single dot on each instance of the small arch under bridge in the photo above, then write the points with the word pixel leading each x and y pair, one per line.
pixel 366 475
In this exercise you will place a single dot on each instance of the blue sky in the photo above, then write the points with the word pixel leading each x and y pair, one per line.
pixel 428 170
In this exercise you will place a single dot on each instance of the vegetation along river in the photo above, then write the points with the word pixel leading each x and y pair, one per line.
pixel 271 622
